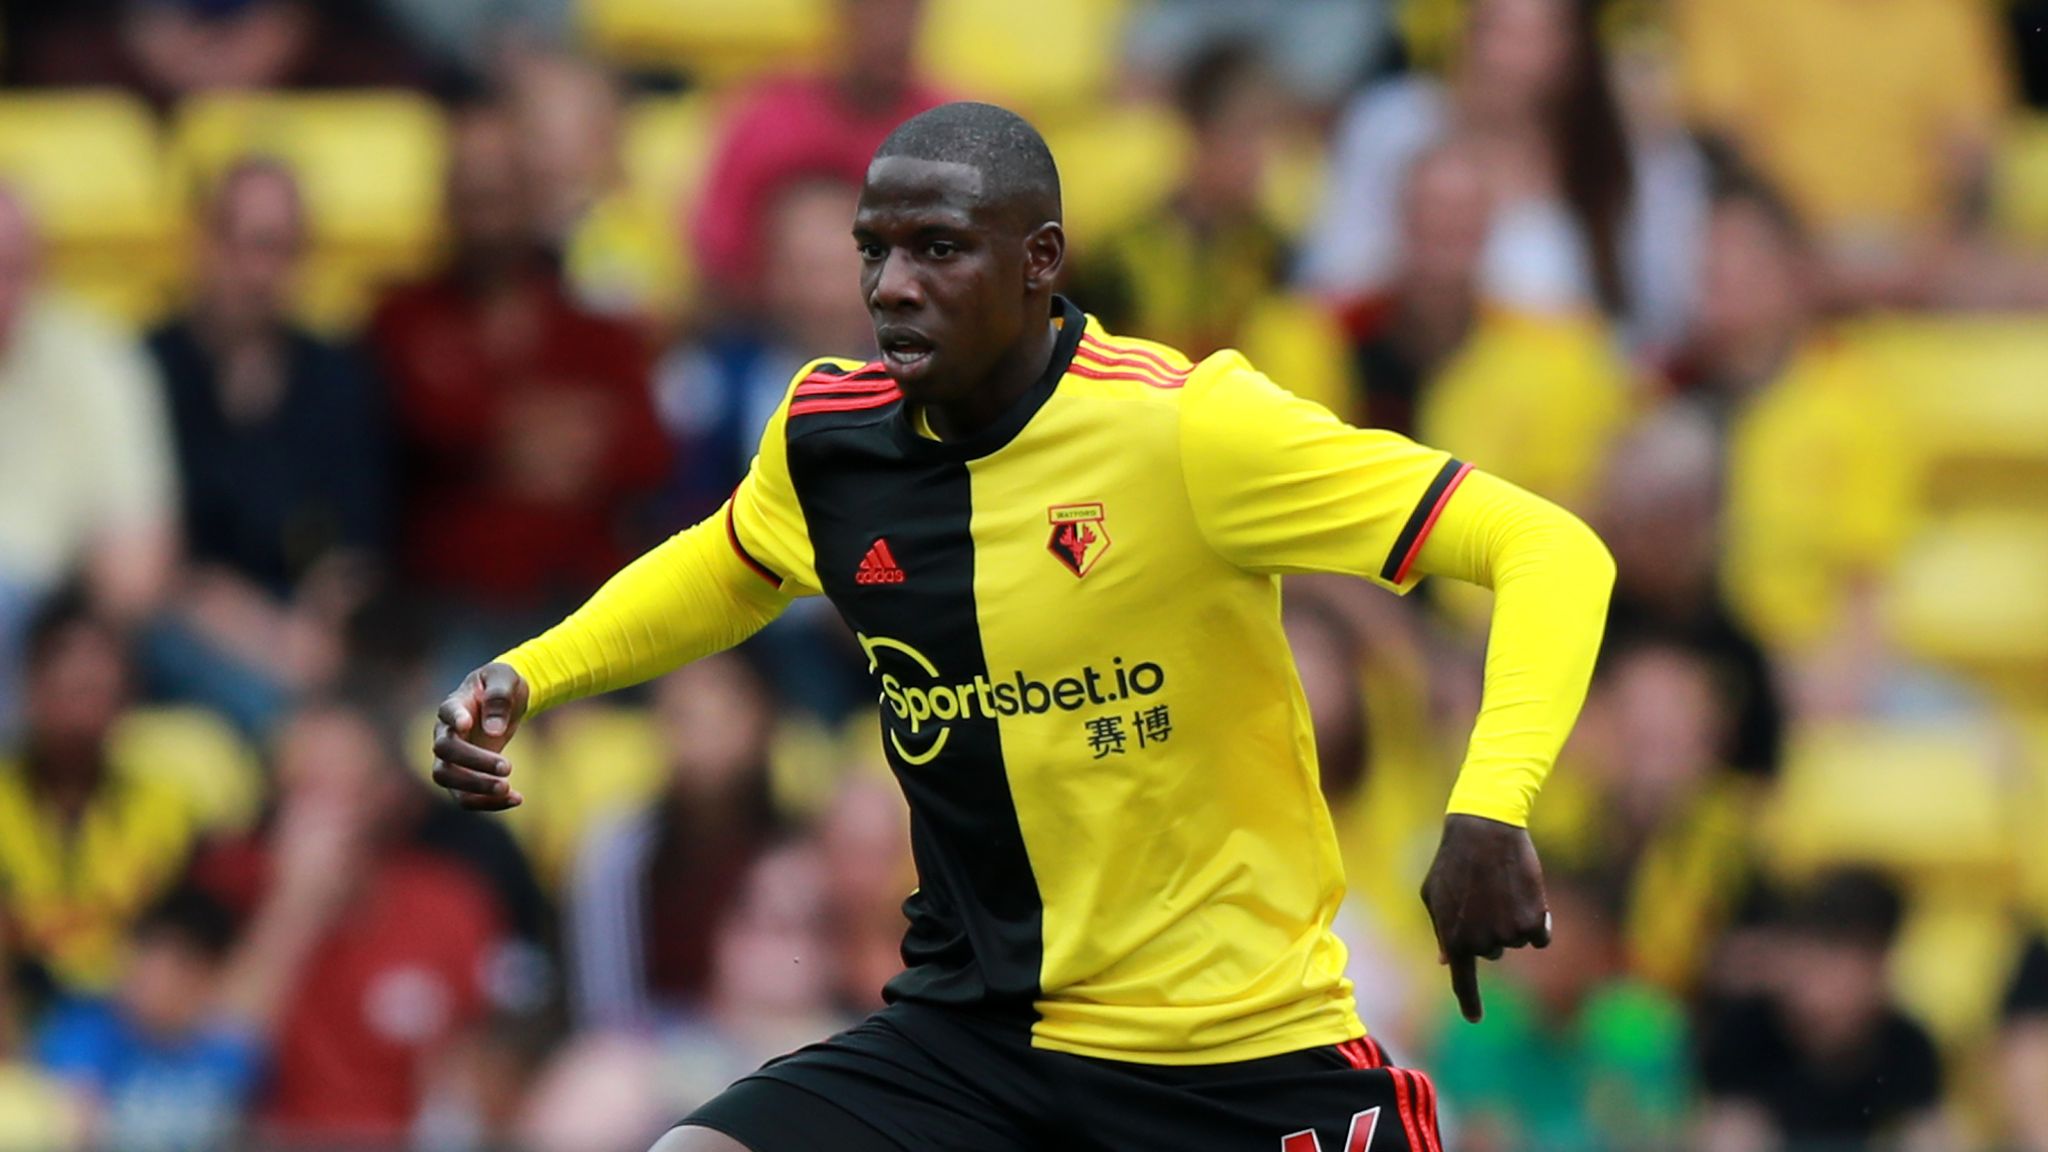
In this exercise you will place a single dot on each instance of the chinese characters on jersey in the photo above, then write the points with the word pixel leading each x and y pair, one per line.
pixel 1148 726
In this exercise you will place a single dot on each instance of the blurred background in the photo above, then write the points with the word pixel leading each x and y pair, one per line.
pixel 343 344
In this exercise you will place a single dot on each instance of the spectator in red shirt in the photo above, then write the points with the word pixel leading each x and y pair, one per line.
pixel 812 126
pixel 362 957
pixel 524 422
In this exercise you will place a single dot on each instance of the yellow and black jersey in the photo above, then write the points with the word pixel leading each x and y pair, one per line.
pixel 1072 619
pixel 1073 624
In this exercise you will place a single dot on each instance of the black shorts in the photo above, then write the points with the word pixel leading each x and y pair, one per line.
pixel 914 1078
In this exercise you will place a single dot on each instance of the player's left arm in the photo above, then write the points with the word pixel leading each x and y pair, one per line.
pixel 1550 578
pixel 1280 485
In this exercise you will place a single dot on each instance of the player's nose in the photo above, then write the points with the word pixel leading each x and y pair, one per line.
pixel 895 285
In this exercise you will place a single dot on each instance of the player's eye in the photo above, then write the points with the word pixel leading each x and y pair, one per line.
pixel 941 249
pixel 870 251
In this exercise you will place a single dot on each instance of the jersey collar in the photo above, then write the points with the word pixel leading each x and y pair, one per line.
pixel 992 438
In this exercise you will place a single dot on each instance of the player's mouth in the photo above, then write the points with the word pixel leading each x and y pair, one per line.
pixel 905 353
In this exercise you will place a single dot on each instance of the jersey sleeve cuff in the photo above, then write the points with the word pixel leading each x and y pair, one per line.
pixel 539 695
pixel 1473 801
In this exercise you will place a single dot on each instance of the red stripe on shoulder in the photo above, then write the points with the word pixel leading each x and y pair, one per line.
pixel 1135 363
pixel 1080 367
pixel 871 370
pixel 1132 363
pixel 851 403
pixel 843 387
pixel 1103 347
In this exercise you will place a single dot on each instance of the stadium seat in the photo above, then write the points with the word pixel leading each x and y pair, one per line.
pixel 1116 165
pixel 668 142
pixel 712 41
pixel 197 754
pixel 592 762
pixel 1038 58
pixel 1971 593
pixel 1952 961
pixel 1298 343
pixel 1539 398
pixel 2031 722
pixel 89 166
pixel 1971 389
pixel 2020 180
pixel 1293 187
pixel 371 165
pixel 1925 798
pixel 666 146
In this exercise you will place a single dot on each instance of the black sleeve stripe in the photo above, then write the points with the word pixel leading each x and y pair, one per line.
pixel 1402 554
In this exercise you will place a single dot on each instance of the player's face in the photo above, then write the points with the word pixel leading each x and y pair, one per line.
pixel 945 282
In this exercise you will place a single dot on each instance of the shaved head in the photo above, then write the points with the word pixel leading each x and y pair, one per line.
pixel 1018 177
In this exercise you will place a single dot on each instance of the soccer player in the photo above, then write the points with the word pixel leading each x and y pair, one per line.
pixel 1060 550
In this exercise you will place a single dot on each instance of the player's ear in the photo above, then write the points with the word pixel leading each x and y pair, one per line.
pixel 1045 253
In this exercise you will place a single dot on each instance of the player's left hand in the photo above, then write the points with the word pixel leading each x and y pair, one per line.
pixel 1485 895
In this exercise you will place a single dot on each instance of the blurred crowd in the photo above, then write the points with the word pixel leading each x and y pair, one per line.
pixel 437 311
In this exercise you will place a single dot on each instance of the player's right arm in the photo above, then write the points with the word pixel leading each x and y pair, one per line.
pixel 700 591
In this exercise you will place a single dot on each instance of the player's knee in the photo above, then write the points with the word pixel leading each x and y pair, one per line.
pixel 697 1140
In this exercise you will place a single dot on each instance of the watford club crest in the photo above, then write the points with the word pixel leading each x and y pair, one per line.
pixel 1079 537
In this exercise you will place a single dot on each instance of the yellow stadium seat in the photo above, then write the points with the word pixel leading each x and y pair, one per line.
pixel 636 236
pixel 1952 960
pixel 1536 399
pixel 1117 165
pixel 667 146
pixel 596 762
pixel 1037 57
pixel 1293 185
pixel 1298 343
pixel 89 165
pixel 1971 592
pixel 86 162
pixel 198 755
pixel 2020 180
pixel 713 41
pixel 371 165
pixel 1927 798
pixel 1972 391
pixel 2031 805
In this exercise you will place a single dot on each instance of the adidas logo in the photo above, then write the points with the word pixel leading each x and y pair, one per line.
pixel 878 566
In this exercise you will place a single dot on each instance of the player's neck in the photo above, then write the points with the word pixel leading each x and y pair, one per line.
pixel 1011 378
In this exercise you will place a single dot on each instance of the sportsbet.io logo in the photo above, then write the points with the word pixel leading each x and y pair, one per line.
pixel 925 704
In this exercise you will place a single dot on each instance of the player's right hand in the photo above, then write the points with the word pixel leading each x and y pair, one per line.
pixel 470 732
pixel 1485 895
